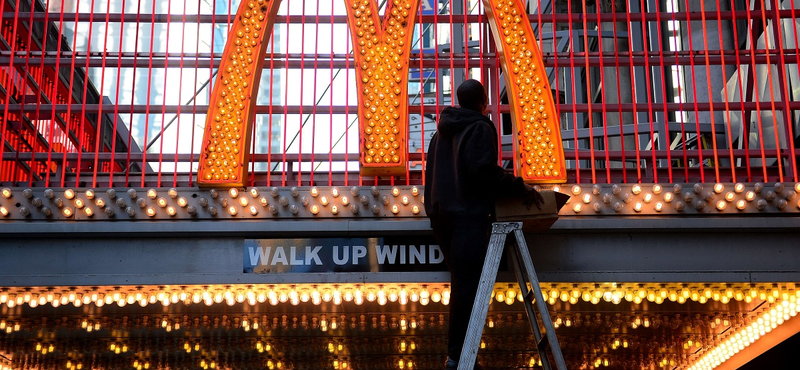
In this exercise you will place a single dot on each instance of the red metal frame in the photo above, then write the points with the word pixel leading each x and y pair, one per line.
pixel 57 129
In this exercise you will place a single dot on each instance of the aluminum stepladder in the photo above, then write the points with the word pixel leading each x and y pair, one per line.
pixel 520 258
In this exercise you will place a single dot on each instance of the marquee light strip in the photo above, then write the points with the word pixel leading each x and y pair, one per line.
pixel 537 134
pixel 226 141
pixel 382 58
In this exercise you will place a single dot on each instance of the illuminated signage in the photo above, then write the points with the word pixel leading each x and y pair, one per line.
pixel 381 49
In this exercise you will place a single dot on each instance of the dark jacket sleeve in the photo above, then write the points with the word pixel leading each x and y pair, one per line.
pixel 481 163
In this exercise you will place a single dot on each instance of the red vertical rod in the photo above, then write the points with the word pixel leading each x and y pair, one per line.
pixel 407 129
pixel 681 90
pixel 116 98
pixel 634 98
pixel 619 94
pixel 35 143
pixel 589 95
pixel 694 93
pixel 777 24
pixel 797 51
pixel 603 95
pixel 7 171
pixel 133 85
pixel 767 51
pixel 180 98
pixel 756 95
pixel 302 86
pixel 285 102
pixel 55 99
pixel 194 101
pixel 330 97
pixel 710 92
pixel 314 109
pixel 648 77
pixel 745 119
pixel 147 103
pixel 164 99
pixel 70 99
pixel 574 88
pixel 666 139
pixel 727 99
pixel 452 61
pixel 98 142
pixel 271 103
pixel 82 145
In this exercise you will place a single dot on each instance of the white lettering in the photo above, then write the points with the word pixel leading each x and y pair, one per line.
pixel 259 253
pixel 435 254
pixel 344 257
pixel 293 257
pixel 416 254
pixel 279 257
pixel 359 251
pixel 402 254
pixel 384 251
pixel 313 255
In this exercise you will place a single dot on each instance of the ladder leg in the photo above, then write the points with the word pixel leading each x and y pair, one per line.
pixel 480 307
pixel 528 298
pixel 550 330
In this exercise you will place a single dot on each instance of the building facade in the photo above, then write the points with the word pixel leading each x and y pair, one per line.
pixel 678 122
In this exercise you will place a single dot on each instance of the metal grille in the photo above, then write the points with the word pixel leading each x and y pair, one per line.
pixel 115 93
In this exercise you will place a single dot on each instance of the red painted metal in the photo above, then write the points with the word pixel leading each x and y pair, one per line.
pixel 63 124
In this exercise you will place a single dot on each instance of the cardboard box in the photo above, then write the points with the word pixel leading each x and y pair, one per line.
pixel 533 219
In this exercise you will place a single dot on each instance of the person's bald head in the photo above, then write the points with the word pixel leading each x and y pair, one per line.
pixel 472 95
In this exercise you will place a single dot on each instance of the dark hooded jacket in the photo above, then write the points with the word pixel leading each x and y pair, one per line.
pixel 462 177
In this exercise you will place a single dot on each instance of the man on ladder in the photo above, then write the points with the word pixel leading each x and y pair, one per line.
pixel 462 182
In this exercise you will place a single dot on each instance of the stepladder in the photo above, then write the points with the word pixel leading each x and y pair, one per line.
pixel 520 259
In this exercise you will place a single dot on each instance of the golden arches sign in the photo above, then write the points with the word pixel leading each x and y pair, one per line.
pixel 382 51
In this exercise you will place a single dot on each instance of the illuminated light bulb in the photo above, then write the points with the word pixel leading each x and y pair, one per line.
pixel 718 188
pixel 7 193
pixel 750 196
pixel 89 194
pixel 415 208
pixel 315 209
pixel 721 205
pixel 395 191
pixel 264 202
pixel 243 201
pixel 335 192
pixel 738 188
pixel 576 190
pixel 88 211
pixel 659 206
pixel 182 202
pixel 323 200
pixel 657 189
pixel 334 209
pixel 152 194
pixel 79 203
pixel 4 211
pixel 587 198
pixel 233 210
pixel 637 207
pixel 741 205
pixel 395 209
pixel 648 198
pixel 636 189
pixel 314 192
pixel 233 192
pixel 151 211
pixel 171 211
pixel 415 190
pixel 69 194
pixel 161 202
pixel 577 208
pixel 345 201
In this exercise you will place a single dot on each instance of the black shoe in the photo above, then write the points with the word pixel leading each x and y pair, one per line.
pixel 453 365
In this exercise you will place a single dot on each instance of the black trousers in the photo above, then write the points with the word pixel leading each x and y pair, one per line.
pixel 464 241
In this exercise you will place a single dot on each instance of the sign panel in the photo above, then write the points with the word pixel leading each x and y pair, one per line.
pixel 269 256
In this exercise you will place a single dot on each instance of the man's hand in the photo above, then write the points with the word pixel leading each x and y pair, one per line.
pixel 532 197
